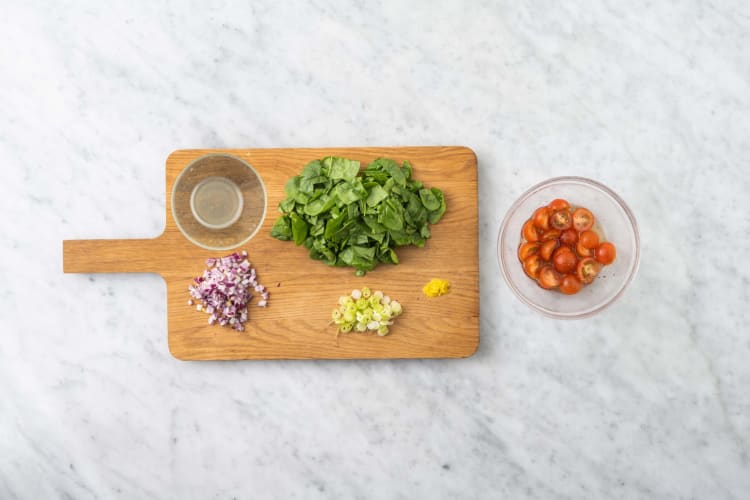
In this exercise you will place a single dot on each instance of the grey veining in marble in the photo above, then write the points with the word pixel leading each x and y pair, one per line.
pixel 649 399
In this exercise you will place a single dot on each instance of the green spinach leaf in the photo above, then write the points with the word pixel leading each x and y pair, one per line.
pixel 346 216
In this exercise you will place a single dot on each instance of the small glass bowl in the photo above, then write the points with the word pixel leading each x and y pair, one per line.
pixel 218 201
pixel 614 219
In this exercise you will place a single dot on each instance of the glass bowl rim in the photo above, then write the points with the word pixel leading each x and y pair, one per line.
pixel 533 190
pixel 183 172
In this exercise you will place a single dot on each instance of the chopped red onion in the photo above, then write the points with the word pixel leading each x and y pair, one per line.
pixel 225 290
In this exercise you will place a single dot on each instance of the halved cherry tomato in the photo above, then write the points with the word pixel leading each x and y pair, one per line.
pixel 528 248
pixel 548 246
pixel 570 284
pixel 606 253
pixel 548 277
pixel 587 270
pixel 531 265
pixel 564 260
pixel 589 239
pixel 529 232
pixel 561 220
pixel 582 251
pixel 541 218
pixel 582 219
pixel 569 237
pixel 558 204
pixel 551 234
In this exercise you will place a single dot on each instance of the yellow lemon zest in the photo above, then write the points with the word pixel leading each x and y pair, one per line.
pixel 436 287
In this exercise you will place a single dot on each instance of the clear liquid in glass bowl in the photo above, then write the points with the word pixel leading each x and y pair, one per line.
pixel 216 202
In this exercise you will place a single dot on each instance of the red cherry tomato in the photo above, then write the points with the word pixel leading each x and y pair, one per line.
pixel 564 260
pixel 582 251
pixel 529 232
pixel 558 204
pixel 587 270
pixel 531 265
pixel 589 239
pixel 551 234
pixel 569 237
pixel 541 218
pixel 528 248
pixel 570 284
pixel 548 246
pixel 548 277
pixel 606 253
pixel 561 220
pixel 582 219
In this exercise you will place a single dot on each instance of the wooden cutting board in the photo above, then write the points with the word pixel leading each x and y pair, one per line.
pixel 295 325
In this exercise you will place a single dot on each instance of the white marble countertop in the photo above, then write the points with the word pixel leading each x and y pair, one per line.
pixel 649 399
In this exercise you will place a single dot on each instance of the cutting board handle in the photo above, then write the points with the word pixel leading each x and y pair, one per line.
pixel 113 256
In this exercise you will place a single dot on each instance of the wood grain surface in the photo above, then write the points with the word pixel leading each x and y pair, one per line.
pixel 295 325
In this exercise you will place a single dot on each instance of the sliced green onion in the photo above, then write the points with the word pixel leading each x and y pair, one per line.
pixel 364 310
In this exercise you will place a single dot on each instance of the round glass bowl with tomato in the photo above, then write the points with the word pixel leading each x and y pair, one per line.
pixel 589 252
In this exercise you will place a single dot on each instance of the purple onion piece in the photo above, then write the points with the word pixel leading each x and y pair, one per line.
pixel 225 289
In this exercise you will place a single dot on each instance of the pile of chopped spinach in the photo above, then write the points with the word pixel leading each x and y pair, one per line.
pixel 351 217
